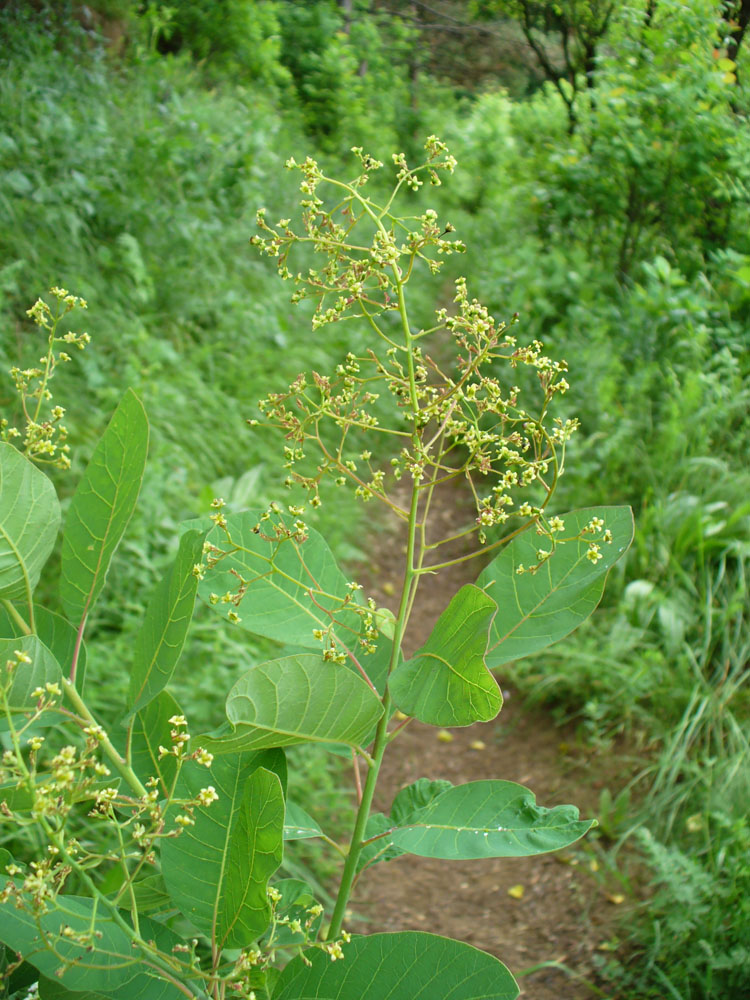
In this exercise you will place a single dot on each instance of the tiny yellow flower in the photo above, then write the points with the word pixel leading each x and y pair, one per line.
pixel 207 795
pixel 204 757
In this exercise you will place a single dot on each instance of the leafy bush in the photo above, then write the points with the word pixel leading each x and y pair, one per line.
pixel 238 38
pixel 149 856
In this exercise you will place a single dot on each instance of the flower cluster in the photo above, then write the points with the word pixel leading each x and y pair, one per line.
pixel 59 783
pixel 553 527
pixel 44 435
pixel 357 277
pixel 299 921
pixel 447 421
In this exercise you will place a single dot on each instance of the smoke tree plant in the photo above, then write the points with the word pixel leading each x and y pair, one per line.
pixel 177 892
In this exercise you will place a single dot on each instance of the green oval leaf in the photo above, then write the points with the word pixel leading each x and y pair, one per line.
pixel 487 819
pixel 537 609
pixel 162 635
pixel 29 520
pixel 288 588
pixel 446 683
pixel 298 699
pixel 217 870
pixel 406 966
pixel 102 506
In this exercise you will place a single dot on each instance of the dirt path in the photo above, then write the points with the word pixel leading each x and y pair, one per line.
pixel 563 914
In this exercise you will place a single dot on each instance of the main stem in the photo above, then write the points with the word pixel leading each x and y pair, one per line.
pixel 358 835
pixel 410 582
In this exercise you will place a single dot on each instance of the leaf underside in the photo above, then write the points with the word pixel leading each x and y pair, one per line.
pixel 446 683
pixel 486 819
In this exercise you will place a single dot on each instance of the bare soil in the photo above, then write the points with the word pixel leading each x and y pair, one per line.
pixel 550 911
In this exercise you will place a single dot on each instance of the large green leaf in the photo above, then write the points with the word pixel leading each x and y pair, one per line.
pixel 57 634
pixel 486 819
pixel 107 964
pixel 151 729
pixel 102 506
pixel 446 682
pixel 537 609
pixel 290 588
pixel 406 966
pixel 298 699
pixel 165 627
pixel 217 871
pixel 29 519
pixel 43 669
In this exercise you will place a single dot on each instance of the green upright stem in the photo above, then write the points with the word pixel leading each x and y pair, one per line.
pixel 363 814
pixel 381 735
pixel 410 583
